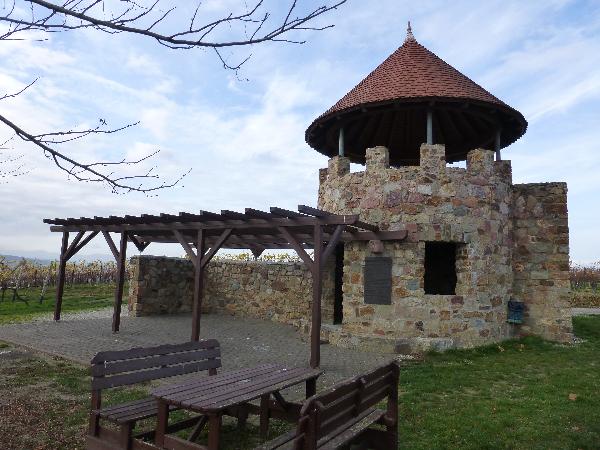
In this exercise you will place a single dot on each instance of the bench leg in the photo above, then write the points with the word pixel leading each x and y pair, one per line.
pixel 377 439
pixel 125 433
pixel 264 416
pixel 214 431
pixel 311 387
pixel 94 424
pixel 198 428
pixel 162 420
pixel 242 417
pixel 392 436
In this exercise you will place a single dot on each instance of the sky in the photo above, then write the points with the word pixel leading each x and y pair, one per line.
pixel 242 135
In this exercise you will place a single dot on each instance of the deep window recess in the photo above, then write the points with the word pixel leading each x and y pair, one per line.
pixel 440 268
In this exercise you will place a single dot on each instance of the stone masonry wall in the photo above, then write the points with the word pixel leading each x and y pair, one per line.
pixel 541 259
pixel 281 292
pixel 433 203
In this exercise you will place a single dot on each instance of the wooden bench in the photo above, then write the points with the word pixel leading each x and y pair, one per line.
pixel 126 367
pixel 345 415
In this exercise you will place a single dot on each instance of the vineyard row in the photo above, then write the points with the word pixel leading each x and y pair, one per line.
pixel 27 274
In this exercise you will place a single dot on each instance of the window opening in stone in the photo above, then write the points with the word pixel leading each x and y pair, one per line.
pixel 440 268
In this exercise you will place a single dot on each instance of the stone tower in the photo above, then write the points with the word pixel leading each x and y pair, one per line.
pixel 476 241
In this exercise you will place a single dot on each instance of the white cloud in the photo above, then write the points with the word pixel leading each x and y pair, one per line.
pixel 245 139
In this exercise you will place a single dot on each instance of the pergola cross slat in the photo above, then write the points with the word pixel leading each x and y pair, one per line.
pixel 203 235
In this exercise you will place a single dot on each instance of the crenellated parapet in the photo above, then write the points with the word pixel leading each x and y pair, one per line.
pixel 429 193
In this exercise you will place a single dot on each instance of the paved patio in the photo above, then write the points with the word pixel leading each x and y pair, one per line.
pixel 245 342
pixel 585 311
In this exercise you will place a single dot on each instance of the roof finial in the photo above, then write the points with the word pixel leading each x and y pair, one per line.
pixel 409 34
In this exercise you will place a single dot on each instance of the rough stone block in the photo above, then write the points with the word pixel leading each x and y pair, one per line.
pixel 377 159
pixel 433 158
pixel 480 161
pixel 338 166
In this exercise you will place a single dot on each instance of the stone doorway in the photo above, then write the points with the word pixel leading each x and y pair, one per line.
pixel 338 295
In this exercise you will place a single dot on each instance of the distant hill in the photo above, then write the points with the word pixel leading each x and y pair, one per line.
pixel 12 260
pixel 46 258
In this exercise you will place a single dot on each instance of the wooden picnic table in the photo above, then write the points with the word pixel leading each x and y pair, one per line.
pixel 214 396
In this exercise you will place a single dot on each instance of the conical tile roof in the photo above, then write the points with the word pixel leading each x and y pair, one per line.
pixel 409 81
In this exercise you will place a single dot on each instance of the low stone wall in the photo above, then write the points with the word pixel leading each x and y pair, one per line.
pixel 585 300
pixel 281 292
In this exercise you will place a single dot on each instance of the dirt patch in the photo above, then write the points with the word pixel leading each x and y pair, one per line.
pixel 36 410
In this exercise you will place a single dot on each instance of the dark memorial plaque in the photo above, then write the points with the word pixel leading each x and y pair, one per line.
pixel 378 280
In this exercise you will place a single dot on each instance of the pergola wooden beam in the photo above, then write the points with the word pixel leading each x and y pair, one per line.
pixel 254 229
pixel 111 245
pixel 297 247
pixel 216 247
pixel 141 246
pixel 74 243
pixel 188 248
pixel 333 241
pixel 83 243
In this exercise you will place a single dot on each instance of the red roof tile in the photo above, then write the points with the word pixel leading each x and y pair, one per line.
pixel 410 72
pixel 390 105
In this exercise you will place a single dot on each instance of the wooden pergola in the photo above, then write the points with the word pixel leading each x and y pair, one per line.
pixel 202 235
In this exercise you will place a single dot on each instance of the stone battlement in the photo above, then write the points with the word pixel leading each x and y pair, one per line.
pixel 480 162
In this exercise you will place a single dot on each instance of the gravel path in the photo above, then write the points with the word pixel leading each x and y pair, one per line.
pixel 245 342
pixel 66 316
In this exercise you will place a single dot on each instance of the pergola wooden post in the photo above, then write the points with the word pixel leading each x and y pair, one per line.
pixel 252 229
pixel 120 255
pixel 60 279
pixel 116 321
pixel 67 252
pixel 198 286
pixel 317 293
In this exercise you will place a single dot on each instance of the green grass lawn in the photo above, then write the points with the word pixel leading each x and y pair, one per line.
pixel 522 394
pixel 527 393
pixel 75 298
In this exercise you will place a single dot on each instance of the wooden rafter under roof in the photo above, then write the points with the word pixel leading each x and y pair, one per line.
pixel 202 235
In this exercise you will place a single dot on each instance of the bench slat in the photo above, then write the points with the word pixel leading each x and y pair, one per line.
pixel 130 412
pixel 191 388
pixel 141 352
pixel 345 409
pixel 110 368
pixel 153 374
pixel 280 443
pixel 350 431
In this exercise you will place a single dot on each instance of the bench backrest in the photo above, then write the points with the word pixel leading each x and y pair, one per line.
pixel 125 367
pixel 335 407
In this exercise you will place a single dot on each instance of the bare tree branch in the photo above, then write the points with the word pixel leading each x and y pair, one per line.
pixel 250 26
pixel 92 172
pixel 129 19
